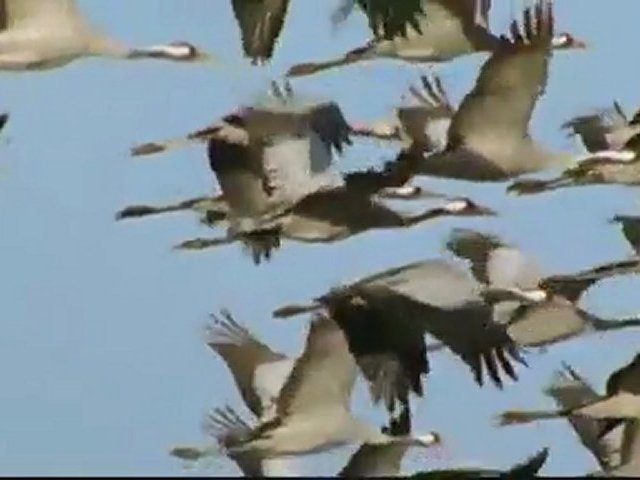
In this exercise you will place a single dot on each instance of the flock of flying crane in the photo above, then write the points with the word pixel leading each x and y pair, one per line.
pixel 274 164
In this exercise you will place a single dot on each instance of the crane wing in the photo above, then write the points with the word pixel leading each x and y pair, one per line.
pixel 323 375
pixel 260 23
pixel 243 353
pixel 501 104
pixel 569 390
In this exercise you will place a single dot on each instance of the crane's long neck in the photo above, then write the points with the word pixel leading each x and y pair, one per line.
pixel 605 325
pixel 528 416
pixel 161 52
pixel 104 46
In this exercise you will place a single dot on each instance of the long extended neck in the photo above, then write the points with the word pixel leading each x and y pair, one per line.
pixel 104 46
pixel 606 325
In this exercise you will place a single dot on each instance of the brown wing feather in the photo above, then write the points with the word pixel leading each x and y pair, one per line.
pixel 260 23
pixel 509 84
pixel 387 18
pixel 3 15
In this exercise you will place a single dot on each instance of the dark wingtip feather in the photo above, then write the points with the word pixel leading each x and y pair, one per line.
pixel 529 467
pixel 4 118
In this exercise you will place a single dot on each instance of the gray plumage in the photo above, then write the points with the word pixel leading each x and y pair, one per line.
pixel 332 215
pixel 259 374
pixel 245 356
pixel 422 123
pixel 45 34
pixel 620 402
pixel 443 31
pixel 386 315
pixel 549 316
pixel 607 167
pixel 268 156
pixel 608 129
pixel 568 389
pixel 488 139
pixel 313 407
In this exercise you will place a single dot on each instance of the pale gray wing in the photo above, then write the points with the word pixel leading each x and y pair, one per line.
pixel 493 262
pixel 476 247
pixel 569 390
pixel 547 323
pixel 387 18
pixel 324 375
pixel 260 23
pixel 297 167
pixel 429 120
pixel 296 144
pixel 593 129
pixel 500 106
pixel 433 282
pixel 243 353
pixel 375 461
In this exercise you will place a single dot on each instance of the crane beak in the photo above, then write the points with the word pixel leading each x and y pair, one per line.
pixel 485 211
pixel 579 44
pixel 205 57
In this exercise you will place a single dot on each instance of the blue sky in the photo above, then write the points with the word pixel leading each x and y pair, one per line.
pixel 102 362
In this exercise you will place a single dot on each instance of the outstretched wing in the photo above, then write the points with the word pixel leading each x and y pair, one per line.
pixel 324 375
pixel 429 120
pixel 496 265
pixel 446 303
pixel 570 390
pixel 501 104
pixel 387 18
pixel 594 129
pixel 243 353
